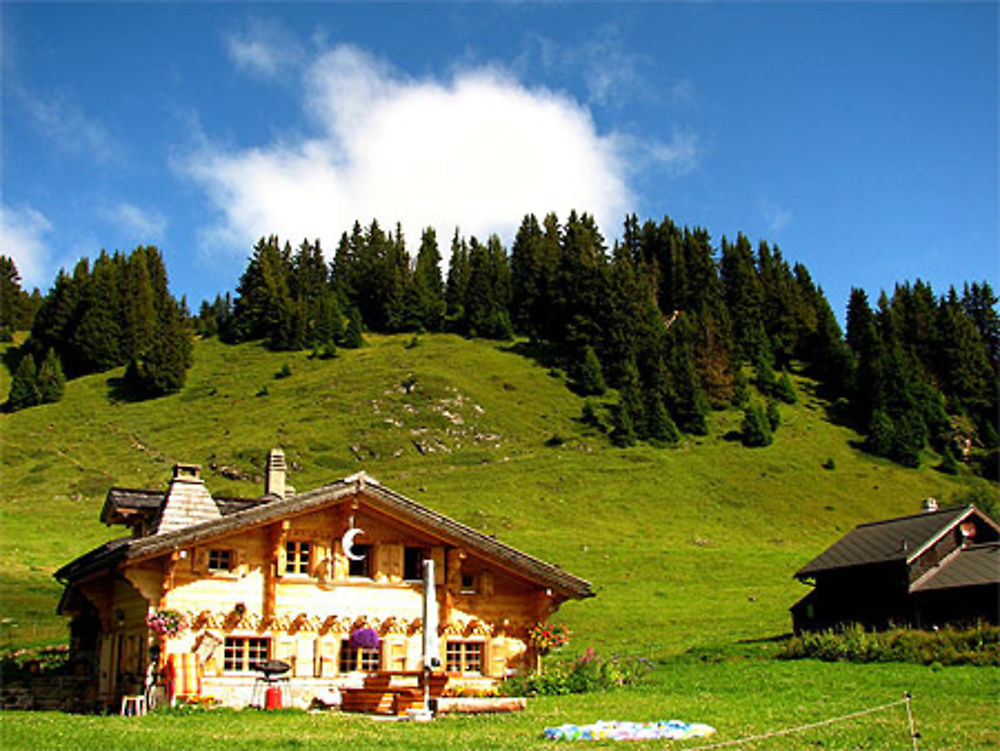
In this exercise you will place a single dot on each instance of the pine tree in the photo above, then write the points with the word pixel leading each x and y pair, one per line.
pixel 353 336
pixel 881 434
pixel 456 292
pixel 51 381
pixel 98 336
pixel 784 389
pixel 660 427
pixel 980 304
pixel 24 391
pixel 623 434
pixel 163 368
pixel 744 298
pixel 630 400
pixel 428 305
pixel 526 271
pixel 908 439
pixel 16 307
pixel 741 389
pixel 755 431
pixel 589 379
pixel 773 415
pixel 687 401
pixel 140 305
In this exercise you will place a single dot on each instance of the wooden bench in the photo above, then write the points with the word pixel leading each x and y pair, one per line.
pixel 392 692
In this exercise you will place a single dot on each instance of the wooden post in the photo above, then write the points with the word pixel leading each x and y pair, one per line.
pixel 169 569
pixel 279 532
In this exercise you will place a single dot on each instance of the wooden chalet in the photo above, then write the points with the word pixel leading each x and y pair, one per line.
pixel 269 578
pixel 934 568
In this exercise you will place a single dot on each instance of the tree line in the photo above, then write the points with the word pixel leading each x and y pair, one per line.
pixel 118 311
pixel 675 324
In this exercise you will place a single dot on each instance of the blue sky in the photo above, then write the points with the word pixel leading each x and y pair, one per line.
pixel 861 138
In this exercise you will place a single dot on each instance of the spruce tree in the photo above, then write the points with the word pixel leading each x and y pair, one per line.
pixel 456 292
pixel 353 334
pixel 24 391
pixel 623 434
pixel 660 427
pixel 428 287
pixel 784 389
pixel 908 439
pixel 881 434
pixel 630 392
pixel 741 389
pixel 98 336
pixel 140 305
pixel 755 430
pixel 163 368
pixel 589 379
pixel 51 381
pixel 773 415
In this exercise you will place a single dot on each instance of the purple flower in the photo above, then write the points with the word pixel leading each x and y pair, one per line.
pixel 365 638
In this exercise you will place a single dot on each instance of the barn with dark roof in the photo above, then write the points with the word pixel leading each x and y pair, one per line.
pixel 938 567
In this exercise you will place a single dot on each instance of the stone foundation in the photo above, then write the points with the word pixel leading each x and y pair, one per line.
pixel 63 693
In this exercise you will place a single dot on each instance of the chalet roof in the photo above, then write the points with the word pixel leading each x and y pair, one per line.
pixel 902 539
pixel 970 566
pixel 248 513
pixel 123 502
pixel 100 557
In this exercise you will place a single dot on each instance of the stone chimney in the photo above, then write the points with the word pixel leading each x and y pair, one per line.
pixel 275 483
pixel 930 505
pixel 187 502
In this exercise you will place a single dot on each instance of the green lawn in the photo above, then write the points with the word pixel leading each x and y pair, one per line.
pixel 954 709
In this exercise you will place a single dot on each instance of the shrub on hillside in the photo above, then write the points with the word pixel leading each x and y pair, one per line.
pixel 588 673
pixel 979 645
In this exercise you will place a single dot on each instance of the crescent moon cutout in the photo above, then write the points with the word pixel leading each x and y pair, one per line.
pixel 347 543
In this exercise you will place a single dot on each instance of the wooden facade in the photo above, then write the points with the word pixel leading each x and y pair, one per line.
pixel 268 578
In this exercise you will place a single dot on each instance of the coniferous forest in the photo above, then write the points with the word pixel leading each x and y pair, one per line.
pixel 117 312
pixel 675 324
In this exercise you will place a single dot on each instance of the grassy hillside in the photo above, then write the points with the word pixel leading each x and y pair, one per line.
pixel 685 546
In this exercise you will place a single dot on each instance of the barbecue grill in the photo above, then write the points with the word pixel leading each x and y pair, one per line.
pixel 270 690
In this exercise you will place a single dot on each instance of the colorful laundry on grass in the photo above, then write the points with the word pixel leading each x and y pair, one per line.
pixel 673 730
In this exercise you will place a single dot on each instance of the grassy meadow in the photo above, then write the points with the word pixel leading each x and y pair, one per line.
pixel 954 710
pixel 688 548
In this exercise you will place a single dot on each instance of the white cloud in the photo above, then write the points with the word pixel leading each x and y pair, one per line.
pixel 679 155
pixel 22 232
pixel 71 130
pixel 262 48
pixel 478 150
pixel 777 217
pixel 143 225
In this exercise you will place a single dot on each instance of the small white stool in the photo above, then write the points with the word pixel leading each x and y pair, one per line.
pixel 133 706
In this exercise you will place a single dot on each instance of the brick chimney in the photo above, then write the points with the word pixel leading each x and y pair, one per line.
pixel 187 502
pixel 275 482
